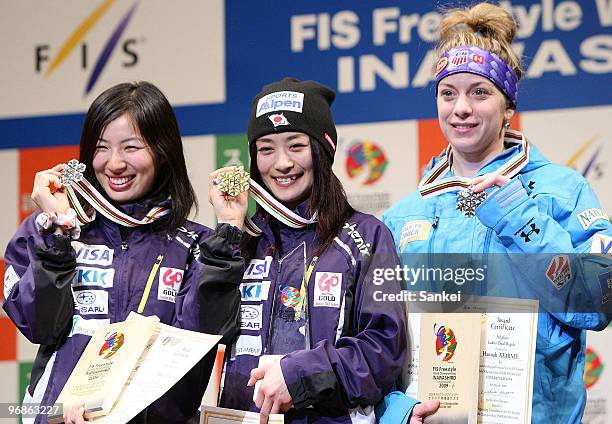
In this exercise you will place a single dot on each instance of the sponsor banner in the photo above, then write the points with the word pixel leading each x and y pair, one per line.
pixel 578 138
pixel 200 159
pixel 90 276
pixel 248 345
pixel 35 160
pixel 91 302
pixel 371 162
pixel 598 377
pixel 93 254
pixel 250 317
pixel 8 340
pixel 69 52
pixel 233 150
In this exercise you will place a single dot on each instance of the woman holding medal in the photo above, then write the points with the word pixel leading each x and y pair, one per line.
pixel 315 344
pixel 75 266
pixel 491 191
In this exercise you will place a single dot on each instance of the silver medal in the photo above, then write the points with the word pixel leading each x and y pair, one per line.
pixel 468 201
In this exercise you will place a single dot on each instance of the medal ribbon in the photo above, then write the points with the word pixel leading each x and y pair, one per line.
pixel 276 209
pixel 433 185
pixel 102 205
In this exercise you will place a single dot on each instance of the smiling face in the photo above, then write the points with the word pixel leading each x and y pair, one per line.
pixel 284 161
pixel 123 162
pixel 471 112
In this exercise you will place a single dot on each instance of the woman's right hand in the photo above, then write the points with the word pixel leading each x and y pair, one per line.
pixel 74 415
pixel 48 193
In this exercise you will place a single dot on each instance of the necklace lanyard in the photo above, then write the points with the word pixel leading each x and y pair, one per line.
pixel 73 179
pixel 433 184
pixel 304 288
pixel 276 209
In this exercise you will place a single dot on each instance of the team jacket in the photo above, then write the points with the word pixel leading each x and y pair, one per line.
pixel 545 222
pixel 59 291
pixel 356 343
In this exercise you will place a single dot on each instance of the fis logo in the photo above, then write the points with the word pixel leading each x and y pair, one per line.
pixel 88 276
pixel 76 39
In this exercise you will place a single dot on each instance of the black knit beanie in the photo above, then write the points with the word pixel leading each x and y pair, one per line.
pixel 291 105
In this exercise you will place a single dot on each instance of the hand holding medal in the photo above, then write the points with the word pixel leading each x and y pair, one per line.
pixel 229 191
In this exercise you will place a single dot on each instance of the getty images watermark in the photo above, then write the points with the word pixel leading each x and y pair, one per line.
pixel 415 276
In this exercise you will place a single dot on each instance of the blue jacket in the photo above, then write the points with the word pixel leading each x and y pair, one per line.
pixel 107 269
pixel 357 345
pixel 546 210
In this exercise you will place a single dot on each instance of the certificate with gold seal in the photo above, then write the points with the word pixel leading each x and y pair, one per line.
pixel 448 365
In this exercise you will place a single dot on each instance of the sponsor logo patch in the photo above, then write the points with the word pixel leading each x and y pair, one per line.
pixel 589 216
pixel 89 276
pixel 413 231
pixel 459 58
pixel 605 283
pixel 170 280
pixel 91 302
pixel 328 289
pixel 362 246
pixel 601 243
pixel 10 279
pixel 94 254
pixel 559 271
pixel 250 317
pixel 248 345
pixel 86 327
pixel 281 100
pixel 528 231
pixel 254 291
pixel 278 119
pixel 258 269
pixel 289 296
pixel 441 65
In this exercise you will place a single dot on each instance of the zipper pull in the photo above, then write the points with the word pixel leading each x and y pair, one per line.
pixel 124 245
pixel 435 223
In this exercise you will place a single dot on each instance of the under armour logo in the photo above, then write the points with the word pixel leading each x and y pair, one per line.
pixel 531 185
pixel 526 235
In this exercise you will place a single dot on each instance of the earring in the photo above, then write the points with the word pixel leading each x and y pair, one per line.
pixel 506 124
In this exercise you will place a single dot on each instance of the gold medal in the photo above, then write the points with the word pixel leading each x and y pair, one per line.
pixel 234 181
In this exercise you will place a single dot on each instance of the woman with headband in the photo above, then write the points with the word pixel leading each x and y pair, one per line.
pixel 136 251
pixel 315 344
pixel 491 191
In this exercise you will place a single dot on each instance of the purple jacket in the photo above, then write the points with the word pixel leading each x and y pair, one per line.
pixel 107 269
pixel 357 344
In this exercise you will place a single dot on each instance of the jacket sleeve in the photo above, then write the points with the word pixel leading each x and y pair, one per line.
pixel 211 303
pixel 38 279
pixel 553 242
pixel 361 367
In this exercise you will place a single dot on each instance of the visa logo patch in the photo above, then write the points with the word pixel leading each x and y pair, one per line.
pixel 254 291
pixel 258 269
pixel 89 276
pixel 94 254
pixel 91 302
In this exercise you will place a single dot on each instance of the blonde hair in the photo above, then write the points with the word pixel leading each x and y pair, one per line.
pixel 483 25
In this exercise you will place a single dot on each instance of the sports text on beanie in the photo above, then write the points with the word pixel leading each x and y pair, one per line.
pixel 481 62
pixel 291 105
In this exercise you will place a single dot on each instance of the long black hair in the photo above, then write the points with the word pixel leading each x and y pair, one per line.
pixel 153 117
pixel 327 198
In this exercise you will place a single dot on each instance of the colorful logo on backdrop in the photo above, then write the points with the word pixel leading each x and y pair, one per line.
pixel 112 343
pixel 446 342
pixel 75 42
pixel 593 367
pixel 364 155
pixel 588 155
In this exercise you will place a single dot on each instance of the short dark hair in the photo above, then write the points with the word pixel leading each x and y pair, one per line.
pixel 327 198
pixel 153 117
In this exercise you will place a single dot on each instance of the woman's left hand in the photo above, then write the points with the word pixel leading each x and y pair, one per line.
pixel 229 209
pixel 483 182
pixel 273 396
